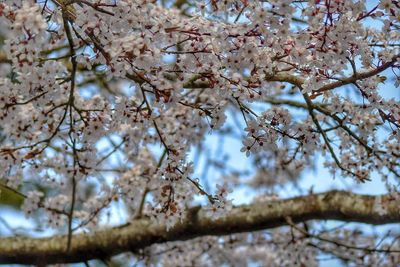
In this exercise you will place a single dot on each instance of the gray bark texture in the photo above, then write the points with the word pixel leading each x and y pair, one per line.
pixel 141 233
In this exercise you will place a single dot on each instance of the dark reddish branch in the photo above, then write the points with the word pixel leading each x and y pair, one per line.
pixel 334 205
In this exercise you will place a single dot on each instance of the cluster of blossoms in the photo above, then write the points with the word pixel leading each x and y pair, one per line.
pixel 32 202
pixel 220 204
pixel 280 247
pixel 240 248
pixel 81 74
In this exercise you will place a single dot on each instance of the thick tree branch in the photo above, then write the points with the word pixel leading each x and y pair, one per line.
pixel 334 205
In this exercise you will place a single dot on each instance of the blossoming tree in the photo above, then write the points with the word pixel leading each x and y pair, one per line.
pixel 106 105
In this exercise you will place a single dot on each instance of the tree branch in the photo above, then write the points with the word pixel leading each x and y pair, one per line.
pixel 333 205
pixel 359 76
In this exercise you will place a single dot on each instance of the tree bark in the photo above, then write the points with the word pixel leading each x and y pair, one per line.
pixel 333 205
